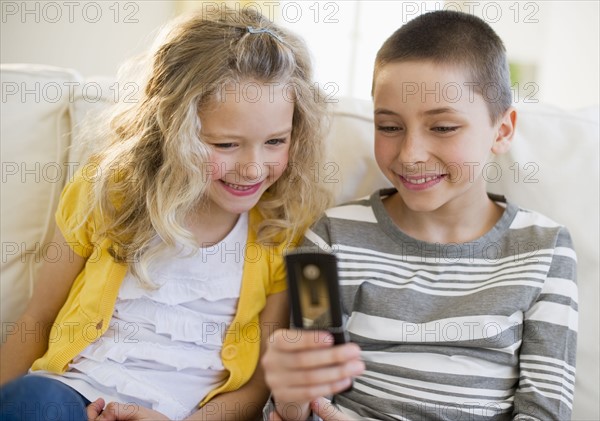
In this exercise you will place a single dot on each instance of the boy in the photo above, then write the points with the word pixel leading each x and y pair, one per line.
pixel 461 305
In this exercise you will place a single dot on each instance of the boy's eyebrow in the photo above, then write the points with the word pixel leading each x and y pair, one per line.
pixel 434 111
pixel 384 112
pixel 442 110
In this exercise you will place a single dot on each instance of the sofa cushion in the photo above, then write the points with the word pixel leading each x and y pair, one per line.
pixel 90 99
pixel 350 165
pixel 35 125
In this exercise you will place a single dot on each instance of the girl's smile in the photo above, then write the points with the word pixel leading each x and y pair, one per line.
pixel 250 142
pixel 241 190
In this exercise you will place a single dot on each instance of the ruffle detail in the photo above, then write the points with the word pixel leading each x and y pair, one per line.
pixel 206 328
pixel 163 345
pixel 138 383
pixel 158 356
pixel 180 288
pixel 212 273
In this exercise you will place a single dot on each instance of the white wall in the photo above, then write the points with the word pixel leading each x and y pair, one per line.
pixel 569 70
pixel 93 37
pixel 559 38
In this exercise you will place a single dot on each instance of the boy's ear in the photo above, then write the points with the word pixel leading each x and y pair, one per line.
pixel 506 131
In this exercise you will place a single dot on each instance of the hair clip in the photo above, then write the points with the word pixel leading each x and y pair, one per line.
pixel 254 30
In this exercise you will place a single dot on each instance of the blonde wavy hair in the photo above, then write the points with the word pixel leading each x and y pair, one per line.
pixel 153 172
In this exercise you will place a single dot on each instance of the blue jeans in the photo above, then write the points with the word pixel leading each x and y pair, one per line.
pixel 37 398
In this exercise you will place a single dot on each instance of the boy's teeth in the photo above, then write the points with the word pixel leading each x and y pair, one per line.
pixel 421 180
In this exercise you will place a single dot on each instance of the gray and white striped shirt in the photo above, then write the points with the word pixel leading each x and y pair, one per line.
pixel 470 331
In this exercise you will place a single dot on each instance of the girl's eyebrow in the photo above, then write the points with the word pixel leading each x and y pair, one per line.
pixel 219 136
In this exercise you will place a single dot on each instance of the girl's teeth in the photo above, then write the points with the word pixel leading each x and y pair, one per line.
pixel 237 186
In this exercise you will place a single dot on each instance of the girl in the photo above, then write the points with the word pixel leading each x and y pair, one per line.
pixel 172 235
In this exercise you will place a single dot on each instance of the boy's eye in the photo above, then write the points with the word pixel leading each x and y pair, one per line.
pixel 445 129
pixel 275 141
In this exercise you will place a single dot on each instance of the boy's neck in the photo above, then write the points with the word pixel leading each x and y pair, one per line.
pixel 452 223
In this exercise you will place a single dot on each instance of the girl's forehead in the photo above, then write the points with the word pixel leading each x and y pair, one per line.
pixel 252 91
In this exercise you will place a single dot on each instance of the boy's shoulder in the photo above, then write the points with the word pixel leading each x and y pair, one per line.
pixel 531 226
pixel 528 217
pixel 525 217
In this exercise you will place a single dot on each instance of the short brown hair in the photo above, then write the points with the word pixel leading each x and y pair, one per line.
pixel 450 37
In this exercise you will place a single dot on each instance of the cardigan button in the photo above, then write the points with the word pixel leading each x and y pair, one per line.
pixel 229 352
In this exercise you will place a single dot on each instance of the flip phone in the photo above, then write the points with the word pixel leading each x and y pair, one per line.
pixel 314 292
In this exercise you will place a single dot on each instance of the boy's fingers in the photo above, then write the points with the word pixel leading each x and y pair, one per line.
pixel 274 416
pixel 300 339
pixel 320 375
pixel 308 354
pixel 327 411
pixel 308 393
pixel 303 360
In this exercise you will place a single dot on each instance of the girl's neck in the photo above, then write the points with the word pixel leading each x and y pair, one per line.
pixel 452 223
pixel 210 228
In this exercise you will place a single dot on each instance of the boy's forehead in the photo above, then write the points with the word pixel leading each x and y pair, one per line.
pixel 428 86
pixel 422 71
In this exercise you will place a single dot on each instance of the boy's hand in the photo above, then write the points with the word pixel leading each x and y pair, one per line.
pixel 327 411
pixel 302 365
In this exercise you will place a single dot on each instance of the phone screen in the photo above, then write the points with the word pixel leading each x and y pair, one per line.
pixel 314 292
pixel 314 298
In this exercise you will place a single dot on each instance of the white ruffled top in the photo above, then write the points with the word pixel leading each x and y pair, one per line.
pixel 162 348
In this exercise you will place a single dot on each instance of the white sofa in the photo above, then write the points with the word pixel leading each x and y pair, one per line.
pixel 552 168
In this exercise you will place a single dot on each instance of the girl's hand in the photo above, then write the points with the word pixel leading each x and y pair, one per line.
pixel 302 365
pixel 114 411
pixel 95 408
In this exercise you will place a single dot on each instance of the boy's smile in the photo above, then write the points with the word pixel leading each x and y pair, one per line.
pixel 421 182
pixel 434 136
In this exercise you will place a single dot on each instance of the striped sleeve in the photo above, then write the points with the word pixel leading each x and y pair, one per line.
pixel 547 357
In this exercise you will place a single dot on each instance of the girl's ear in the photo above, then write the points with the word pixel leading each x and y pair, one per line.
pixel 506 131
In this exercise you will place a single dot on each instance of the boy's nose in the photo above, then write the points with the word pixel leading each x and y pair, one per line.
pixel 412 149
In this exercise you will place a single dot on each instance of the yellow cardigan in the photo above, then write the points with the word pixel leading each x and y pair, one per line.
pixel 87 312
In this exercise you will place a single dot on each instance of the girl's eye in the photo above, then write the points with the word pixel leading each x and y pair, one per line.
pixel 275 141
pixel 389 129
pixel 224 145
pixel 445 129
